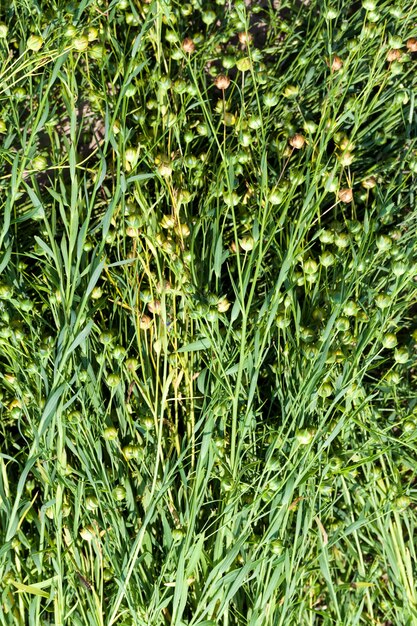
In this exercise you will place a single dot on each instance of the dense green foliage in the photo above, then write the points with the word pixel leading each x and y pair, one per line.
pixel 208 327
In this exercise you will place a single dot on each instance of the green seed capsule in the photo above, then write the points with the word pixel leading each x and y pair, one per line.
pixel 342 240
pixel 180 86
pixel 277 546
pixel 350 308
pixel 177 535
pixel 203 129
pixel 131 19
pixel 327 259
pixel 106 337
pixel 91 503
pixel 130 91
pixel 335 464
pixel 369 5
pixel 307 335
pixel 70 31
pixel 113 380
pixel 396 12
pixel 80 43
pixel 96 293
pixel 342 323
pixel 382 301
pixel 399 268
pixel 305 436
pixel 255 122
pixel 228 61
pixel 83 376
pixel 148 423
pixel 410 426
pixel 107 574
pixel 291 91
pixel 186 9
pixel 92 33
pixel 326 489
pixel 244 65
pixel 118 353
pixel 16 413
pixel 282 321
pixel 401 355
pixel 383 243
pixel 39 163
pixel 34 43
pixel 97 52
pixel 19 93
pixel 208 17
pixel 6 291
pixel 373 16
pixel 389 340
pixel 276 197
pixel 75 417
pixel 26 305
pixel 270 99
pixel 110 433
pixel 119 493
pixel 131 452
pixel 331 14
pixel 212 315
pixel 401 97
pixel 326 236
pixel 325 390
pixel 296 178
pixel 393 378
pixel 395 42
pixel 396 68
pixel 247 243
pixel 310 266
pixel 132 364
pixel 231 199
pixel 401 503
pixel 229 119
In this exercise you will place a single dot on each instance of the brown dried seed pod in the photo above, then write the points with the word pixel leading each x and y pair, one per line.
pixel 393 55
pixel 164 285
pixel 412 44
pixel 346 195
pixel 337 63
pixel 297 141
pixel 188 45
pixel 222 82
pixel 145 322
pixel 155 307
pixel 369 183
pixel 245 38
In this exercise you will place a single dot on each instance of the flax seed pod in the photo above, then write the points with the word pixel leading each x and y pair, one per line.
pixel 297 141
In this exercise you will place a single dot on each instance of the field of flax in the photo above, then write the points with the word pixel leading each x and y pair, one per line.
pixel 208 320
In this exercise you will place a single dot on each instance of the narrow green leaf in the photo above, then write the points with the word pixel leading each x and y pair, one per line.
pixel 35 591
pixel 195 346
